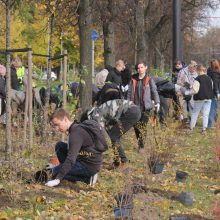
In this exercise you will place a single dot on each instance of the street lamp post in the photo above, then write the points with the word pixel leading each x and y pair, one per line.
pixel 177 34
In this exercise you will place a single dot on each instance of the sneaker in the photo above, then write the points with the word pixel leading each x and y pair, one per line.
pixel 93 180
pixel 213 127
pixel 203 131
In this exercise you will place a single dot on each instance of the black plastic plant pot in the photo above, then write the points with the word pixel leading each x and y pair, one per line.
pixel 179 218
pixel 156 167
pixel 41 176
pixel 186 198
pixel 124 212
pixel 181 176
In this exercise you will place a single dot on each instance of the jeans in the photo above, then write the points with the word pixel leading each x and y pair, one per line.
pixel 78 172
pixel 213 112
pixel 126 121
pixel 199 105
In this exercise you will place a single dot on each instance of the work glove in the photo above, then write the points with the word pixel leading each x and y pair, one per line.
pixel 157 107
pixel 53 183
pixel 124 88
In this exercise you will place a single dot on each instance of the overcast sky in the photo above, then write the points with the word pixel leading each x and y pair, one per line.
pixel 215 21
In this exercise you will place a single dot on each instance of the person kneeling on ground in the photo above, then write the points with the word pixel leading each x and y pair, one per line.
pixel 80 158
pixel 117 116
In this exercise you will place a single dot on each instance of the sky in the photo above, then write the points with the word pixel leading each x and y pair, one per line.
pixel 214 21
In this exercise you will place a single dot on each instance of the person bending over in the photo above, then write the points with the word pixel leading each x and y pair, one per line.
pixel 117 116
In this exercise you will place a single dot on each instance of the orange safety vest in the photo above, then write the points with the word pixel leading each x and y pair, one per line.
pixel 134 87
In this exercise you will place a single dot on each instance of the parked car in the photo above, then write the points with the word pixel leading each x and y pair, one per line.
pixel 53 76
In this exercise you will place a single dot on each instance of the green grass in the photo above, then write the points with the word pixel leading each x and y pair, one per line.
pixel 192 153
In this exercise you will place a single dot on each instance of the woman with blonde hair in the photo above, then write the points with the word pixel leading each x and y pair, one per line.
pixel 203 94
pixel 214 74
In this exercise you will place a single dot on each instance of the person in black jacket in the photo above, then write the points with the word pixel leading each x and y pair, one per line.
pixel 166 90
pixel 202 92
pixel 14 77
pixel 114 75
pixel 214 73
pixel 80 158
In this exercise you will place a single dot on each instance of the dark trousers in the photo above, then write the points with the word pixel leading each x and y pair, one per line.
pixel 78 172
pixel 126 121
pixel 176 107
pixel 213 114
pixel 164 108
pixel 140 128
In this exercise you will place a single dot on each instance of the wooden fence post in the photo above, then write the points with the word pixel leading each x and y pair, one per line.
pixel 64 79
pixel 30 67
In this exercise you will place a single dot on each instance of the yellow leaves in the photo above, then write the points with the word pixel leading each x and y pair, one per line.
pixel 166 204
pixel 197 211
pixel 3 215
pixel 40 199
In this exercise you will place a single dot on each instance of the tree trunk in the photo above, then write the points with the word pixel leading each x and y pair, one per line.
pixel 109 43
pixel 109 36
pixel 47 98
pixel 8 147
pixel 85 22
pixel 140 25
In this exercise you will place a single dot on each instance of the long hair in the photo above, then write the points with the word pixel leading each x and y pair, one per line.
pixel 201 69
pixel 215 65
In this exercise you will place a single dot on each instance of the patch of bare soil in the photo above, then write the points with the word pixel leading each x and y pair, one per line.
pixel 143 208
pixel 8 201
pixel 192 217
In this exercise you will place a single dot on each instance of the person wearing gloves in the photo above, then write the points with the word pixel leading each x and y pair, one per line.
pixel 202 91
pixel 81 157
pixel 143 92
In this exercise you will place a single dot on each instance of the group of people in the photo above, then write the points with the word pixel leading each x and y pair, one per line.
pixel 120 106
pixel 197 89
pixel 124 101
pixel 17 96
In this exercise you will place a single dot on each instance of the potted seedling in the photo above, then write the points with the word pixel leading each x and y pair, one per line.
pixel 160 143
pixel 156 163
pixel 181 176
pixel 124 205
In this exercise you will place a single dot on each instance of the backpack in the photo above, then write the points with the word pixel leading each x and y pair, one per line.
pixel 110 91
pixel 97 134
